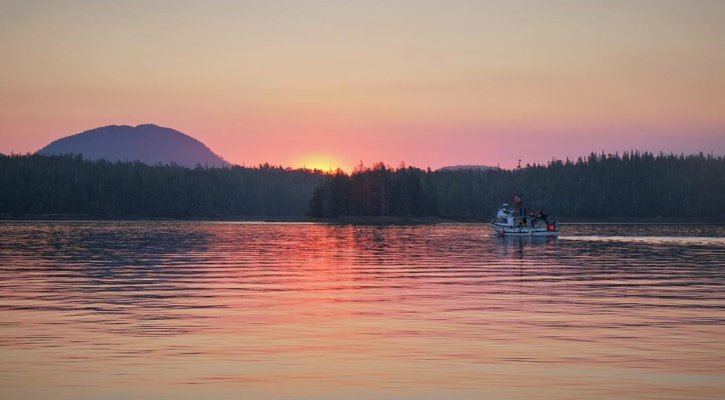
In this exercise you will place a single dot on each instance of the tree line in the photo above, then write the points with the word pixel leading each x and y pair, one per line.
pixel 34 184
pixel 630 185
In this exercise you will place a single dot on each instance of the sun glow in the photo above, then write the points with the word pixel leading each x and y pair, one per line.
pixel 322 162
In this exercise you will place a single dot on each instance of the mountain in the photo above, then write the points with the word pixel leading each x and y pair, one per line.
pixel 150 144
pixel 467 168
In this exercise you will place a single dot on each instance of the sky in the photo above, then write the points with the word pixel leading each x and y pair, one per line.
pixel 335 83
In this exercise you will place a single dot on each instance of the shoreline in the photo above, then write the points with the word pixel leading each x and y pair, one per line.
pixel 349 220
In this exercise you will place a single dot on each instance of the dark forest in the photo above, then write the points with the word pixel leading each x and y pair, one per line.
pixel 34 184
pixel 630 185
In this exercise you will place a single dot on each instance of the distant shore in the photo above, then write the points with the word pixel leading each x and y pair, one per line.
pixel 349 220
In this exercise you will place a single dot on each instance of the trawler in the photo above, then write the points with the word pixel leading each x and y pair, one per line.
pixel 516 221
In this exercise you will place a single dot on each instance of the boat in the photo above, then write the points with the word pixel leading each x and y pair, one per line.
pixel 516 221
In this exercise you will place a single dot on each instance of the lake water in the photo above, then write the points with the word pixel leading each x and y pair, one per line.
pixel 194 310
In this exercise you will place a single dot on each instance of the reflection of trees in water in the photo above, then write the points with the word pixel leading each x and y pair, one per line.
pixel 645 229
pixel 614 270
pixel 443 246
pixel 392 243
pixel 127 244
pixel 142 272
pixel 522 247
pixel 444 255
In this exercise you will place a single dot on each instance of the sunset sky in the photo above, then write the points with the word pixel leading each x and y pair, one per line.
pixel 327 83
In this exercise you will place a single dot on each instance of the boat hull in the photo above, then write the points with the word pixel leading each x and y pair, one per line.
pixel 503 230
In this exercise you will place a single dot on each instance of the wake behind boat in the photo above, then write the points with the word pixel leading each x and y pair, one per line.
pixel 517 221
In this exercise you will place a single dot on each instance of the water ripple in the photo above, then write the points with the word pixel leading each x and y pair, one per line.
pixel 259 310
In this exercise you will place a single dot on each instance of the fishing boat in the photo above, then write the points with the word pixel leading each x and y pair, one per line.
pixel 517 221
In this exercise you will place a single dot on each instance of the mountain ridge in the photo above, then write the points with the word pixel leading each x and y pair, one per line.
pixel 148 143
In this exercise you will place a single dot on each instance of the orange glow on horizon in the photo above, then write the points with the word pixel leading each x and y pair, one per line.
pixel 322 162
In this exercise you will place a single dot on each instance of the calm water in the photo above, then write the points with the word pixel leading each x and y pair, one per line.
pixel 117 310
